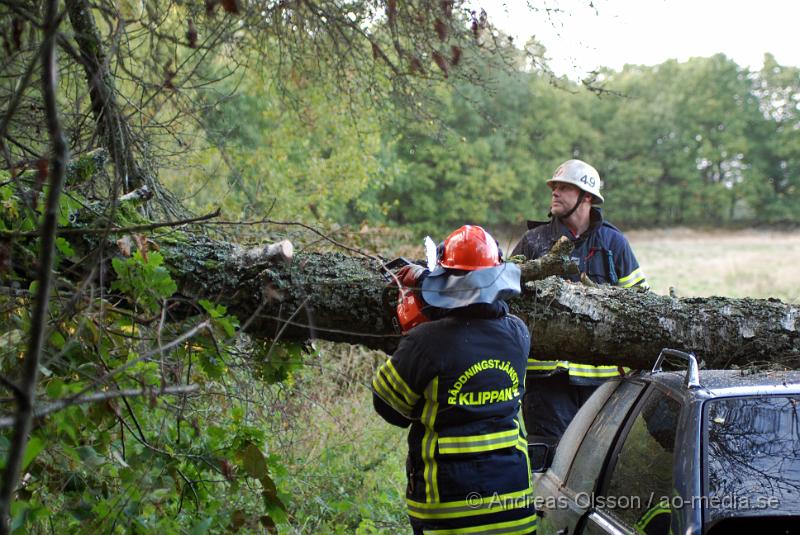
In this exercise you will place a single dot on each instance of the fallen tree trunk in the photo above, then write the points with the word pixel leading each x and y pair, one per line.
pixel 620 326
pixel 344 299
pixel 278 295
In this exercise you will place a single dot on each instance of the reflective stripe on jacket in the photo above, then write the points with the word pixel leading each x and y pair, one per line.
pixel 458 382
pixel 579 373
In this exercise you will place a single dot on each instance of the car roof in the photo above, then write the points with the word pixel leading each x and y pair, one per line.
pixel 718 383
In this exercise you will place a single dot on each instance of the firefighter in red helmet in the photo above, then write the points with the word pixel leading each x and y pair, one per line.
pixel 457 382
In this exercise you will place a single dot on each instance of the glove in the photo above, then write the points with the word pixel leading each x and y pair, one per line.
pixel 410 274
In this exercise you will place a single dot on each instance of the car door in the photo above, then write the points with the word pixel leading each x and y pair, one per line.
pixel 564 502
pixel 637 489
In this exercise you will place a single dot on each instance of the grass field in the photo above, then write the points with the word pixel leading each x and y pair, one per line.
pixel 749 263
pixel 743 263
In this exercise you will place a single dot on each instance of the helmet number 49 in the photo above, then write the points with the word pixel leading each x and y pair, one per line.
pixel 586 179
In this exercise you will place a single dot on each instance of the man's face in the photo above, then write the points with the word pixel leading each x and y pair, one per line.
pixel 563 198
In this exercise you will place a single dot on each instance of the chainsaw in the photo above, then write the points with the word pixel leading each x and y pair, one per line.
pixel 407 312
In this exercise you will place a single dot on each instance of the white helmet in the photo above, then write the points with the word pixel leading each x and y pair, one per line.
pixel 581 175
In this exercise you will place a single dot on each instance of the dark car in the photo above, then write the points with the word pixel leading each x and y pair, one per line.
pixel 678 452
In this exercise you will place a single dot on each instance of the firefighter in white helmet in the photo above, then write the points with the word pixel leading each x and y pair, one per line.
pixel 556 388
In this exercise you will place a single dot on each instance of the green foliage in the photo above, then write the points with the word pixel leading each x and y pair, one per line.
pixel 275 362
pixel 695 143
pixel 776 144
pixel 144 278
pixel 220 319
pixel 487 162
pixel 302 151
pixel 147 464
pixel 701 142
pixel 689 162
pixel 280 438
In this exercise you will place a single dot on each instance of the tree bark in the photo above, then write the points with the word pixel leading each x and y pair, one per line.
pixel 344 299
pixel 609 325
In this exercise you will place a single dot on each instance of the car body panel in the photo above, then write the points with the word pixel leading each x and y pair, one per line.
pixel 564 510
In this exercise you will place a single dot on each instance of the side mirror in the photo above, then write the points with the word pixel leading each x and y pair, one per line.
pixel 541 456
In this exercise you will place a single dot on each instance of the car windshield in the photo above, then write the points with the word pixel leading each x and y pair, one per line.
pixel 752 456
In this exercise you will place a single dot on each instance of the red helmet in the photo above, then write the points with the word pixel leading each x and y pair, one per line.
pixel 470 248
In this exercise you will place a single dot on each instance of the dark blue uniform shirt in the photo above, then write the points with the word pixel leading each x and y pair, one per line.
pixel 458 382
pixel 602 252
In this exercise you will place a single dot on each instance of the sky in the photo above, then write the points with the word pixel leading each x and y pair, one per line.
pixel 580 37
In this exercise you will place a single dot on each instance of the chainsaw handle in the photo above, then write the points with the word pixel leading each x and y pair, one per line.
pixel 394 265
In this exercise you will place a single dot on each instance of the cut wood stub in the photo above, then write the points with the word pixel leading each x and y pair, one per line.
pixel 280 251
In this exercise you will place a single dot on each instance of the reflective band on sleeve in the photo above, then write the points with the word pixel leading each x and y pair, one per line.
pixel 398 383
pixel 387 394
pixel 429 440
pixel 587 370
pixel 391 388
pixel 513 527
pixel 478 443
pixel 546 365
pixel 636 276
pixel 641 524
pixel 479 505
pixel 579 370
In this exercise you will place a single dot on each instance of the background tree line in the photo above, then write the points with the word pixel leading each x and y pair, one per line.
pixel 704 142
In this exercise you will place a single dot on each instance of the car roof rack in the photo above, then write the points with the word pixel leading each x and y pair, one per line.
pixel 693 371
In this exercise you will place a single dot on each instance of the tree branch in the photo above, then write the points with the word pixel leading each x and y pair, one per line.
pixel 307 227
pixel 27 385
pixel 112 126
pixel 22 86
pixel 161 349
pixel 113 229
pixel 62 404
pixel 11 387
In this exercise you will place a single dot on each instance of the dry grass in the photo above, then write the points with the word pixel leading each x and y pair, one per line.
pixel 746 263
pixel 345 464
pixel 749 263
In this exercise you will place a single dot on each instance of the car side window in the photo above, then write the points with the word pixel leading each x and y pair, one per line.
pixel 577 428
pixel 592 453
pixel 640 486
